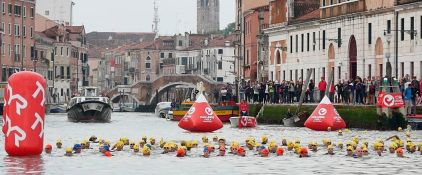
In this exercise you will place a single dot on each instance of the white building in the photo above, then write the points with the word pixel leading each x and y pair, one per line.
pixel 350 38
pixel 218 60
pixel 60 11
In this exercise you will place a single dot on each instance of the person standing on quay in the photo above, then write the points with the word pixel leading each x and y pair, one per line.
pixel 322 86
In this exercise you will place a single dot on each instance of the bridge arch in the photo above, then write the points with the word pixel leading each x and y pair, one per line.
pixel 118 96
pixel 163 89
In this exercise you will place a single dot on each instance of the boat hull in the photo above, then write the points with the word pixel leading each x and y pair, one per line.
pixel 90 111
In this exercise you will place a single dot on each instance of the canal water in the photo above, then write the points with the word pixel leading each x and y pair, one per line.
pixel 136 125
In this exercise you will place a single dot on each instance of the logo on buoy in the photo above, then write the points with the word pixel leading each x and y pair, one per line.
pixel 388 100
pixel 191 110
pixel 208 111
pixel 322 111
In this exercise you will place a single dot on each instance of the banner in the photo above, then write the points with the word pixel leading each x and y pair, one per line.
pixel 392 100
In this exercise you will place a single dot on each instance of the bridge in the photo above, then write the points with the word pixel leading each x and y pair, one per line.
pixel 147 93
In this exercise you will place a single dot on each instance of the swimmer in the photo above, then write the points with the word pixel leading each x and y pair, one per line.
pixel 365 151
pixel 68 152
pixel 264 140
pixel 144 138
pixel 290 146
pixel 264 152
pixel 340 145
pixel 204 139
pixel 48 148
pixel 194 143
pixel 241 152
pixel 108 154
pixel 280 151
pixel 142 143
pixel 392 148
pixel 180 152
pixel 340 132
pixel 329 129
pixel 272 147
pixel 314 147
pixel 146 151
pixel 221 142
pixel 399 129
pixel 206 152
pixel 83 145
pixel 349 151
pixel 330 150
pixel 379 152
pixel 135 148
pixel 77 148
pixel 358 153
pixel 87 144
pixel 59 144
pixel 162 143
pixel 284 142
pixel 215 139
pixel 132 144
pixel 93 139
pixel 400 152
pixel 303 152
pixel 250 145
pixel 152 141
pixel 222 151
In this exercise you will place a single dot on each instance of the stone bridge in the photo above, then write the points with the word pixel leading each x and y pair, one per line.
pixel 146 93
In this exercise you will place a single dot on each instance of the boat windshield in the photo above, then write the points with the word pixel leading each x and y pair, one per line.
pixel 90 92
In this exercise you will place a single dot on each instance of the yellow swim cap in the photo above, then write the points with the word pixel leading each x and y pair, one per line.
pixel 146 151
pixel 69 150
pixel 136 147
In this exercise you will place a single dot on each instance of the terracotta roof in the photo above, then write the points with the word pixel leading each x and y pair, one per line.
pixel 75 29
pixel 221 41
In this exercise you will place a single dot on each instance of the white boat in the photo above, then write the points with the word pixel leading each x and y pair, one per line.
pixel 89 107
pixel 162 109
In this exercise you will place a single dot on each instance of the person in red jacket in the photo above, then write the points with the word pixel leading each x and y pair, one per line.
pixel 244 108
pixel 322 86
pixel 332 92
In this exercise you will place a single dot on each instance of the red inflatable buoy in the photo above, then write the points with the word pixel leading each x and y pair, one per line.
pixel 324 116
pixel 200 117
pixel 24 112
pixel 247 122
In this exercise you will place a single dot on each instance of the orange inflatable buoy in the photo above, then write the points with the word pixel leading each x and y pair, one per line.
pixel 24 112
pixel 200 117
pixel 325 117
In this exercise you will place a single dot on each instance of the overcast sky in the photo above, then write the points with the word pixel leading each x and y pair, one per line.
pixel 177 16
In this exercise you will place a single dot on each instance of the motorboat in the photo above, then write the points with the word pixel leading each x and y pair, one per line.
pixel 89 107
pixel 57 108
pixel 162 109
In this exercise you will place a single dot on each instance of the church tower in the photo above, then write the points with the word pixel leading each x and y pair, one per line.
pixel 208 16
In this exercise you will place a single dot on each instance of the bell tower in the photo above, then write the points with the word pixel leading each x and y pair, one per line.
pixel 208 16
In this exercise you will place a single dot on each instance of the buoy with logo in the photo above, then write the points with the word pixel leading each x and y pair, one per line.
pixel 325 116
pixel 200 117
pixel 24 110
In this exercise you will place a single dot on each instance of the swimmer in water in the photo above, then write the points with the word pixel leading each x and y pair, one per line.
pixel 264 140
pixel 48 148
pixel 93 139
pixel 284 142
pixel 215 139
pixel 280 151
pixel 349 151
pixel 68 152
pixel 330 150
pixel 180 152
pixel 241 151
pixel 77 148
pixel 400 152
pixel 264 152
pixel 131 145
pixel 303 152
pixel 206 152
pixel 222 151
pixel 135 148
pixel 59 144
pixel 340 132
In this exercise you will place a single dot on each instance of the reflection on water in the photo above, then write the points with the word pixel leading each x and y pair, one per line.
pixel 136 125
pixel 17 165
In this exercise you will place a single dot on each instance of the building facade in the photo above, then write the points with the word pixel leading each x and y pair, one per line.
pixel 347 39
pixel 208 16
pixel 17 39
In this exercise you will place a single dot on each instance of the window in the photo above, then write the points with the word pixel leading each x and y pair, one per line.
pixel 339 72
pixel 32 13
pixel 297 43
pixel 62 72
pixel 10 29
pixel 313 41
pixel 323 72
pixel 61 51
pixel 67 51
pixel 412 69
pixel 369 70
pixel 323 40
pixel 23 51
pixel 291 44
pixel 302 37
pixel 389 26
pixel 147 65
pixel 55 51
pixel 402 69
pixel 17 30
pixel 148 78
pixel 369 33
pixel 162 55
pixel 180 43
pixel 18 10
pixel 24 11
pixel 3 6
pixel 307 42
pixel 220 79
pixel 291 75
pixel 220 65
pixel 32 32
pixel 339 37
pixel 170 55
pixel 412 28
pixel 323 3
pixel 24 31
pixel 10 9
pixel 220 51
pixel 284 75
pixel 68 72
pixel 61 92
pixel 402 30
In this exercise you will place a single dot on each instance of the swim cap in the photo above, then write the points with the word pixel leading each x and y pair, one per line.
pixel 68 150
pixel 280 151
pixel 181 152
pixel 265 152
pixel 106 147
pixel 108 154
pixel 48 146
pixel 76 147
